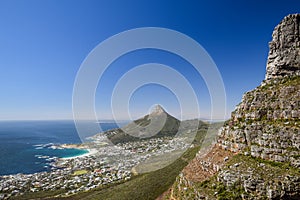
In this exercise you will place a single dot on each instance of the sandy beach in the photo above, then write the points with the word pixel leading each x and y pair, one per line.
pixel 89 153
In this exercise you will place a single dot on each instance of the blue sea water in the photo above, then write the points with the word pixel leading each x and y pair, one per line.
pixel 27 146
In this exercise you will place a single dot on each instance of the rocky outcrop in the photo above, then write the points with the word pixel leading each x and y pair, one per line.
pixel 266 123
pixel 242 177
pixel 284 54
pixel 263 134
pixel 267 120
pixel 257 179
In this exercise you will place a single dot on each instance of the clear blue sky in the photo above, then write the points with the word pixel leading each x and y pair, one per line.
pixel 43 43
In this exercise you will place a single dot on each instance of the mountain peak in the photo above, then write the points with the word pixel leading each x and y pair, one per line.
pixel 156 124
pixel 157 109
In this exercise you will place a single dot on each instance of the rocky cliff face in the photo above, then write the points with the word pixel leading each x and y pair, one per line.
pixel 266 123
pixel 262 138
pixel 267 119
pixel 284 54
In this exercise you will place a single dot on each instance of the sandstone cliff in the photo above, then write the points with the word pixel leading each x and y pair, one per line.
pixel 257 154
pixel 284 54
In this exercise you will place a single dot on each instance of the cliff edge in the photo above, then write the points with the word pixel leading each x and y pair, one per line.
pixel 284 54
pixel 257 154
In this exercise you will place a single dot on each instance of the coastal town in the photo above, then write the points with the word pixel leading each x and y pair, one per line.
pixel 104 164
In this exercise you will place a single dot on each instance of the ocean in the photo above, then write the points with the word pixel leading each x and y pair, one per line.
pixel 27 146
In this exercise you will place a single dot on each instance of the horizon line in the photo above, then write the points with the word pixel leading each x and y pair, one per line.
pixel 70 119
